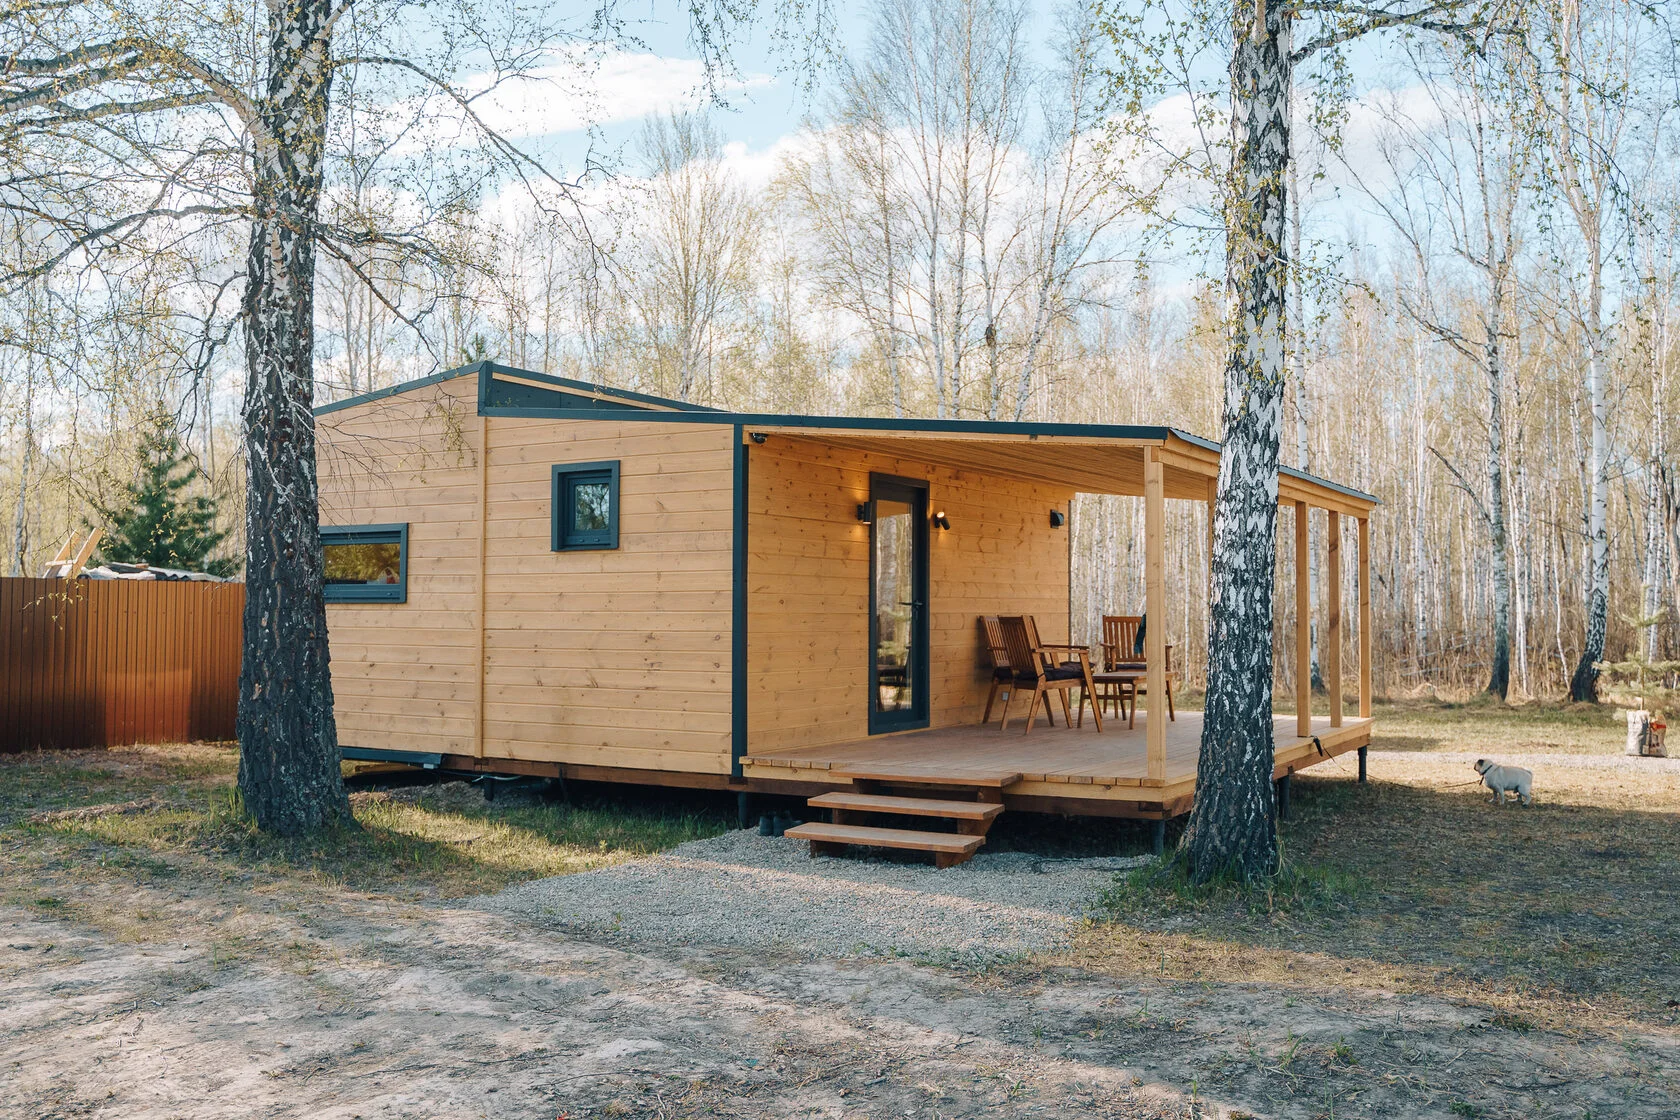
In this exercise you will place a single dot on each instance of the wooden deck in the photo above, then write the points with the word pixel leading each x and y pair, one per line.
pixel 1054 768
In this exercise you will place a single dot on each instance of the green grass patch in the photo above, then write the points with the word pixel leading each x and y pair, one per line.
pixel 442 842
pixel 1297 888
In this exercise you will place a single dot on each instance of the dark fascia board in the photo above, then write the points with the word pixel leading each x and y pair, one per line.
pixel 487 367
pixel 682 412
pixel 630 398
pixel 393 390
pixel 1292 472
pixel 1154 432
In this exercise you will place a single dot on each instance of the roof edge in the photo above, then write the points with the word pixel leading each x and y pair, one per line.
pixel 393 390
pixel 1292 472
pixel 492 368
pixel 684 412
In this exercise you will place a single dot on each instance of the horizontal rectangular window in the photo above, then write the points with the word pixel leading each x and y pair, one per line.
pixel 585 506
pixel 365 563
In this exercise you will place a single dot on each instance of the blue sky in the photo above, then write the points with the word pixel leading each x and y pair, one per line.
pixel 768 103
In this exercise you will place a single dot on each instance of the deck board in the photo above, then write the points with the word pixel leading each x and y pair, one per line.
pixel 1050 756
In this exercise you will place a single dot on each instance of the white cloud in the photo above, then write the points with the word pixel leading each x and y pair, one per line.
pixel 573 92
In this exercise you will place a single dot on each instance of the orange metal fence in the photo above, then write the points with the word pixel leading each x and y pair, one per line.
pixel 91 663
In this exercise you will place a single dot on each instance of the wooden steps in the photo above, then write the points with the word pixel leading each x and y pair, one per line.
pixel 908 806
pixel 971 820
pixel 949 849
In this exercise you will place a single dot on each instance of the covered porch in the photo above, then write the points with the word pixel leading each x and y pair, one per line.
pixel 867 668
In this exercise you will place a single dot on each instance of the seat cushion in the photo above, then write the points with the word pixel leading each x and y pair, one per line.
pixel 1067 671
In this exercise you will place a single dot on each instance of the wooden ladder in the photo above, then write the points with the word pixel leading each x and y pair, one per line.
pixel 972 818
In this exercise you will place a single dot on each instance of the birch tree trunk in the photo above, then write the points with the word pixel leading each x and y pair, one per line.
pixel 1298 366
pixel 20 522
pixel 289 763
pixel 1233 828
pixel 1583 686
pixel 1656 535
pixel 1499 677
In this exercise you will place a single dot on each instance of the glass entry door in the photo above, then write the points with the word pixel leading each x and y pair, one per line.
pixel 898 609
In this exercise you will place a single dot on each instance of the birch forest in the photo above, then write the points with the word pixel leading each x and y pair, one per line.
pixel 1002 211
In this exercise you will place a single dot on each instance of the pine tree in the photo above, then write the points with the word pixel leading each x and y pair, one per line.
pixel 156 522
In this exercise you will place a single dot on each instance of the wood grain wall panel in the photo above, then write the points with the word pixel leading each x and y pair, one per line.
pixel 808 585
pixel 615 657
pixel 405 675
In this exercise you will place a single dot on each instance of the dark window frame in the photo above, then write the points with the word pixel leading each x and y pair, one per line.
pixel 372 592
pixel 562 477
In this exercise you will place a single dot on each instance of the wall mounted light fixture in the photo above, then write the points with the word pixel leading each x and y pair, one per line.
pixel 1057 519
pixel 863 512
pixel 940 521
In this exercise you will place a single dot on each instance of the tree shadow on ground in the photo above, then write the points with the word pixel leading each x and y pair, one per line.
pixel 1436 889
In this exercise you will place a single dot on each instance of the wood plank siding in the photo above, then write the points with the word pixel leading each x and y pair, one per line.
pixel 808 585
pixel 405 674
pixel 617 657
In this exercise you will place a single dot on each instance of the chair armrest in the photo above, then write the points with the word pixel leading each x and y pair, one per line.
pixel 1064 646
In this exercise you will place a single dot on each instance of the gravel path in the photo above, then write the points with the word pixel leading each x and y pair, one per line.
pixel 1624 763
pixel 752 891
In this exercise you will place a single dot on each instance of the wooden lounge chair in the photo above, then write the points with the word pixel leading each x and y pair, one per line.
pixel 1036 670
pixel 1001 676
pixel 1122 653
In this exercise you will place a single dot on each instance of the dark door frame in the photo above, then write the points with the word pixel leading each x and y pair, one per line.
pixel 916 489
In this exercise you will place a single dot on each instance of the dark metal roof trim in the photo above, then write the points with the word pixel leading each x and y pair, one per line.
pixel 932 428
pixel 493 368
pixel 393 390
pixel 681 412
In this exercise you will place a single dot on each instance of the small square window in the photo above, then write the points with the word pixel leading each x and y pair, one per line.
pixel 585 506
pixel 365 563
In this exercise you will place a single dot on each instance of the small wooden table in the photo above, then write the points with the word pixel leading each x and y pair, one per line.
pixel 1116 685
pixel 1124 684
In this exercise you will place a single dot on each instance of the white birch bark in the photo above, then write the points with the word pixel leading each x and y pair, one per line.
pixel 289 772
pixel 1233 826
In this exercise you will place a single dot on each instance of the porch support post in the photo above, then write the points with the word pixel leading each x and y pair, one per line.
pixel 1364 618
pixel 1212 504
pixel 1303 625
pixel 479 748
pixel 1333 600
pixel 1155 595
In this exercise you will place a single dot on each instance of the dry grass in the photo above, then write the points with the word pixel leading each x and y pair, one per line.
pixel 1483 725
pixel 1557 913
pixel 1412 882
pixel 148 814
pixel 1550 930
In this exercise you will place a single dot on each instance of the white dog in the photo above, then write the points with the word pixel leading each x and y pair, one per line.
pixel 1506 779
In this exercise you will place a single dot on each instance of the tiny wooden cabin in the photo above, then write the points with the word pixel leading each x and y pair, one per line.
pixel 531 575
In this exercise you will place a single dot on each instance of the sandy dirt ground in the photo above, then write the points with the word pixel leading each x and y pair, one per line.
pixel 223 1002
